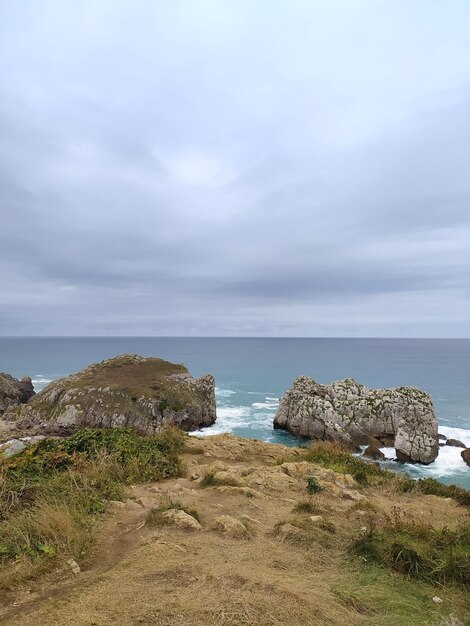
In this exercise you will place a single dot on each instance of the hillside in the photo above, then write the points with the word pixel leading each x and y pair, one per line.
pixel 269 537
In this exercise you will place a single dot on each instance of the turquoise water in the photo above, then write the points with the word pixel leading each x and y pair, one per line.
pixel 251 374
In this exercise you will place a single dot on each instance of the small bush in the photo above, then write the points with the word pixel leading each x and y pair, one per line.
pixel 312 485
pixel 210 480
pixel 305 506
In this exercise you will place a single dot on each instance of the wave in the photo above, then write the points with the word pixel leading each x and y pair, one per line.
pixel 265 405
pixel 39 382
pixel 224 393
pixel 451 432
pixel 449 460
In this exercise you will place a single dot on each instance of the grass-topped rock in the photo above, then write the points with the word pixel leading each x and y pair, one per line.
pixel 351 413
pixel 146 394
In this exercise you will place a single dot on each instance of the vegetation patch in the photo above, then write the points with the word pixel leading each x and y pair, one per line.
pixel 430 486
pixel 50 493
pixel 417 550
pixel 306 506
pixel 337 457
pixel 313 485
pixel 210 480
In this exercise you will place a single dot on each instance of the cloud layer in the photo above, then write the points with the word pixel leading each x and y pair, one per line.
pixel 235 168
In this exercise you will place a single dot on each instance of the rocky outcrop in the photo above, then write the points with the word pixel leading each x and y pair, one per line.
pixel 13 391
pixel 456 443
pixel 374 452
pixel 353 414
pixel 466 456
pixel 146 394
pixel 13 446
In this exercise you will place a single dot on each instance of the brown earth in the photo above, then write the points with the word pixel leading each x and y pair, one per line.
pixel 286 568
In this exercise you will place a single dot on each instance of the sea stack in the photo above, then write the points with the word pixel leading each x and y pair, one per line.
pixel 13 391
pixel 354 414
pixel 146 394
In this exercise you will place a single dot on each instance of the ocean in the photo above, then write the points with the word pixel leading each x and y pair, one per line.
pixel 252 373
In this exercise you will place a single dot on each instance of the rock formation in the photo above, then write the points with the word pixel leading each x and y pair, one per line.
pixel 13 391
pixel 466 456
pixel 146 394
pixel 456 443
pixel 351 413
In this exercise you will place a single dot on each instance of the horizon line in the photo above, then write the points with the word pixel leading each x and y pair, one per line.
pixel 225 337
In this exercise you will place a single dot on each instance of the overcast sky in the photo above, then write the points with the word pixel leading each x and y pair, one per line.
pixel 245 167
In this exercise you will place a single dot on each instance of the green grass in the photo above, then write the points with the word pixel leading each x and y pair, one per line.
pixel 430 486
pixel 417 550
pixel 51 492
pixel 312 485
pixel 338 458
pixel 382 599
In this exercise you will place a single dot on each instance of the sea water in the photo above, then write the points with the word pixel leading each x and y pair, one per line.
pixel 252 373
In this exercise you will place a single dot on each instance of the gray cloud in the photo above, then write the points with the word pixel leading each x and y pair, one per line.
pixel 218 168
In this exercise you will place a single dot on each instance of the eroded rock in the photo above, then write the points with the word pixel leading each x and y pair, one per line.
pixel 351 413
pixel 456 443
pixel 374 452
pixel 14 392
pixel 146 394
pixel 466 456
pixel 182 520
pixel 230 526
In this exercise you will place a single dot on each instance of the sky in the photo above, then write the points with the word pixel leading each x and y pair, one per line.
pixel 235 168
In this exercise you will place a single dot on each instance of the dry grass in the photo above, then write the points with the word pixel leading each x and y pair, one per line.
pixel 52 493
pixel 179 578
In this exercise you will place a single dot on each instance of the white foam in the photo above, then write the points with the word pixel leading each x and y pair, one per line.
pixel 463 434
pixel 39 382
pixel 265 405
pixel 449 460
pixel 224 393
pixel 232 412
pixel 228 418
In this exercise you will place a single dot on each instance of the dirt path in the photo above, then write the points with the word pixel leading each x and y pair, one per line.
pixel 246 573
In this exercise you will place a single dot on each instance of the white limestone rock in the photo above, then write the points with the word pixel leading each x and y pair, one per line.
pixel 353 414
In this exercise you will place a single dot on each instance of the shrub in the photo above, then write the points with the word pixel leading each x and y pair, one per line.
pixel 305 506
pixel 338 457
pixel 418 550
pixel 430 486
pixel 210 480
pixel 312 485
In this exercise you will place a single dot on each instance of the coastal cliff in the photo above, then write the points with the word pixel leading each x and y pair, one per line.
pixel 146 394
pixel 354 414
